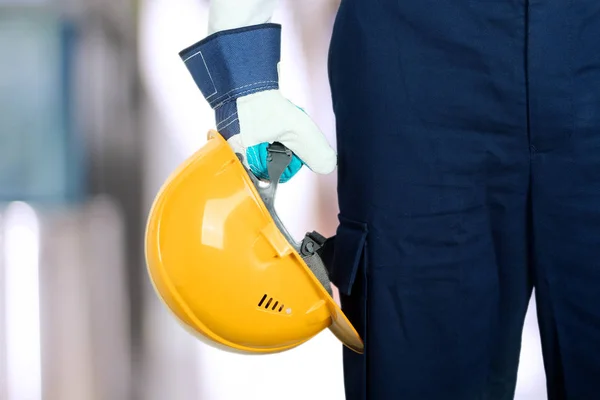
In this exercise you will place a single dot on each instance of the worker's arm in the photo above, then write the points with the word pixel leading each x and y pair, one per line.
pixel 236 68
pixel 231 14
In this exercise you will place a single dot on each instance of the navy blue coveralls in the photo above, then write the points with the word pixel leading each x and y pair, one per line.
pixel 468 134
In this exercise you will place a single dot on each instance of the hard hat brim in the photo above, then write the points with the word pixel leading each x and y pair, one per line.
pixel 344 331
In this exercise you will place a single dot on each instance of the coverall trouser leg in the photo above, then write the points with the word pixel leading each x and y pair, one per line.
pixel 468 135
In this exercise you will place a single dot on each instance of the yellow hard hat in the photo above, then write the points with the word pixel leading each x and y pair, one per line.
pixel 221 260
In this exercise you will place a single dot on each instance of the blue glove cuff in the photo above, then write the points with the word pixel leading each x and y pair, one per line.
pixel 232 63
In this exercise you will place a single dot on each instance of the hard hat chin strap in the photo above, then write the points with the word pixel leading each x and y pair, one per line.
pixel 313 245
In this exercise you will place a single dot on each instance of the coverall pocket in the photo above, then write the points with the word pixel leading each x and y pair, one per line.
pixel 349 254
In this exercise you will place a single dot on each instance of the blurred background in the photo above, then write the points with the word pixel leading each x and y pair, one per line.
pixel 96 109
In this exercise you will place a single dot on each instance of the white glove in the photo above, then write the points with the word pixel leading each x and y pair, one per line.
pixel 236 68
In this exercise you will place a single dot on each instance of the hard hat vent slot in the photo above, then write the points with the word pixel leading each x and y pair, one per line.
pixel 269 303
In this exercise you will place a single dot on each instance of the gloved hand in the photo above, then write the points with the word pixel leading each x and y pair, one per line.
pixel 237 71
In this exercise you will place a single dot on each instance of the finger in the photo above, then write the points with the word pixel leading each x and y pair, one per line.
pixel 307 141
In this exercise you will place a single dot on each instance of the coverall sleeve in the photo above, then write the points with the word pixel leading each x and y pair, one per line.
pixel 231 14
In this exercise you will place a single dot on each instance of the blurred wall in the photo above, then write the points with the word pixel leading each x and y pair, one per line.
pixel 70 216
